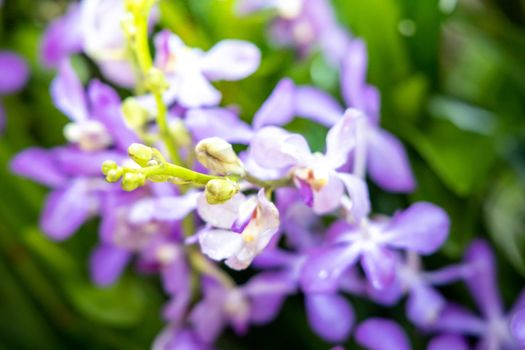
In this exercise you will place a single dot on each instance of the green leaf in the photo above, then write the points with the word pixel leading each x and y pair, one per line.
pixel 461 159
pixel 505 217
pixel 122 304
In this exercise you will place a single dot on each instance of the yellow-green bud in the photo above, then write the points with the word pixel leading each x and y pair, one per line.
pixel 156 81
pixel 114 175
pixel 218 191
pixel 108 165
pixel 180 132
pixel 218 156
pixel 135 116
pixel 132 181
pixel 141 154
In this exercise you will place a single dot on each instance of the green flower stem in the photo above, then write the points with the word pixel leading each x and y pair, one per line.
pixel 270 184
pixel 179 172
pixel 141 46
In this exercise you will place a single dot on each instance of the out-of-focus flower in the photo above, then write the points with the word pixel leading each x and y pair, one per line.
pixel 381 334
pixel 242 228
pixel 386 158
pixel 424 303
pixel 494 329
pixel 315 175
pixel 421 228
pixel 14 74
pixel 304 25
pixel 448 342
pixel 190 71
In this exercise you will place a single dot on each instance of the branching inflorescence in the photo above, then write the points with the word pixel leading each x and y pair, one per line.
pixel 267 206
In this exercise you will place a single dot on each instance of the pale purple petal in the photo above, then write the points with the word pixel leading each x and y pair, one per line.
pixel 220 215
pixel 106 108
pixel 194 90
pixel 353 74
pixel 517 326
pixel 68 93
pixel 245 7
pixel 107 263
pixel 278 109
pixel 74 162
pixel 267 292
pixel 482 280
pixel 220 244
pixel 448 342
pixel 176 277
pixel 219 122
pixel 330 316
pixel 358 191
pixel 424 305
pixel 325 266
pixel 301 226
pixel 39 165
pixel 230 60
pixel 447 274
pixel 329 197
pixel 62 38
pixel 163 209
pixel 14 72
pixel 273 147
pixel 317 105
pixel 379 266
pixel 208 319
pixel 422 228
pixel 118 71
pixel 388 162
pixel 342 138
pixel 458 320
pixel 66 210
pixel 381 334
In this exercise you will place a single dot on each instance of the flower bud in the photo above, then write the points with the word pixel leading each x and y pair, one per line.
pixel 156 81
pixel 218 156
pixel 135 116
pixel 108 165
pixel 141 154
pixel 218 191
pixel 132 181
pixel 114 175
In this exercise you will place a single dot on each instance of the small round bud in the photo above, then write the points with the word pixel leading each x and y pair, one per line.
pixel 218 156
pixel 156 81
pixel 114 175
pixel 218 191
pixel 108 165
pixel 135 116
pixel 141 154
pixel 132 181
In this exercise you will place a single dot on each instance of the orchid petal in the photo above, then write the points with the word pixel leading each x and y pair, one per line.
pixel 14 72
pixel 317 105
pixel 278 109
pixel 220 122
pixel 220 244
pixel 381 334
pixel 329 315
pixel 107 263
pixel 230 60
pixel 68 93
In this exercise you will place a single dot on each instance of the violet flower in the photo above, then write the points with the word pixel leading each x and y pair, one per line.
pixel 493 328
pixel 421 228
pixel 241 228
pixel 315 175
pixel 386 158
pixel 190 71
pixel 304 25
pixel 14 73
pixel 73 171
pixel 424 303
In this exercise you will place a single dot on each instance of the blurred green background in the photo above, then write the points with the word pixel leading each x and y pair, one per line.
pixel 452 78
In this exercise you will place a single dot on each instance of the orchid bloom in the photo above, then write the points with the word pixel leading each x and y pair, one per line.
pixel 496 329
pixel 190 71
pixel 315 175
pixel 421 228
pixel 241 228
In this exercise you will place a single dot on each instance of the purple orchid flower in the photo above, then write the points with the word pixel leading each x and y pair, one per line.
pixel 495 327
pixel 73 171
pixel 424 303
pixel 190 71
pixel 257 301
pixel 14 73
pixel 92 27
pixel 386 158
pixel 243 227
pixel 448 342
pixel 174 337
pixel 421 228
pixel 316 176
pixel 303 24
